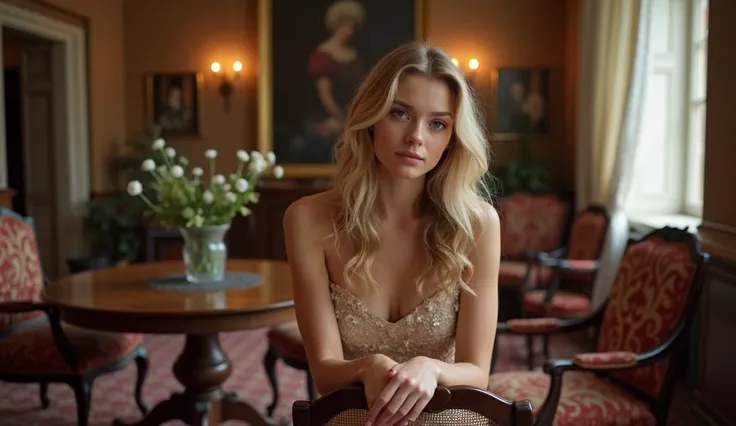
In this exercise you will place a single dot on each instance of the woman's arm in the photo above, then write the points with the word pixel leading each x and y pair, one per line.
pixel 478 315
pixel 304 231
pixel 324 91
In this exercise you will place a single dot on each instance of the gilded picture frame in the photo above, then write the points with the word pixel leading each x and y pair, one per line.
pixel 173 103
pixel 282 97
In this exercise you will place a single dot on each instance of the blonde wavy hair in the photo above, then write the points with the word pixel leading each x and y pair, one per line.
pixel 452 203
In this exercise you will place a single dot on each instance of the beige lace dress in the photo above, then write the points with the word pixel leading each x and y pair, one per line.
pixel 428 330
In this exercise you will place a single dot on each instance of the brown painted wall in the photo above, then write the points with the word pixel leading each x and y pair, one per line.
pixel 132 37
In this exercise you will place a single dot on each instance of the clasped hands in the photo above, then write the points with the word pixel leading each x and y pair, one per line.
pixel 397 393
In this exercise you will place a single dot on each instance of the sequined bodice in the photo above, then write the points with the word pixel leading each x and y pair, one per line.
pixel 428 330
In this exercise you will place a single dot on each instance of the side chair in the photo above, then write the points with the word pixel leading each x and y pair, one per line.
pixel 35 346
pixel 350 405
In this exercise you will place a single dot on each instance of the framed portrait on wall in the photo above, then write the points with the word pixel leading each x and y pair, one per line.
pixel 313 56
pixel 522 102
pixel 172 102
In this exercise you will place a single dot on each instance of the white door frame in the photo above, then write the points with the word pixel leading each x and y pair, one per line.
pixel 70 55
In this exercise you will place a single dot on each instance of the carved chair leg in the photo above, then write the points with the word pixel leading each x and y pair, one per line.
pixel 530 350
pixel 545 346
pixel 269 364
pixel 44 394
pixel 82 387
pixel 141 362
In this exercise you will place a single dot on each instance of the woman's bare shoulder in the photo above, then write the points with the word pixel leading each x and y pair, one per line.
pixel 313 211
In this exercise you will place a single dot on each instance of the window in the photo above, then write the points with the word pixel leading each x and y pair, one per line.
pixel 698 62
pixel 668 169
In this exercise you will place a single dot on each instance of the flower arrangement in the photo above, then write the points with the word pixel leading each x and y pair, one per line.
pixel 195 201
pixel 202 207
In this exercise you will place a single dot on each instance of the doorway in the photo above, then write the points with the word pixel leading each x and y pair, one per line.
pixel 52 159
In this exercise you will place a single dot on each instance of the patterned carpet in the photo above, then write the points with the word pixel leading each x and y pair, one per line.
pixel 112 395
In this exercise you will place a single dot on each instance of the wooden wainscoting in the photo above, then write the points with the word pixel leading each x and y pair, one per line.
pixel 716 365
pixel 258 236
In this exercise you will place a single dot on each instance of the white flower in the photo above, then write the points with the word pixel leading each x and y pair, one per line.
pixel 161 169
pixel 148 165
pixel 256 155
pixel 171 152
pixel 218 179
pixel 226 187
pixel 158 144
pixel 177 171
pixel 241 185
pixel 257 164
pixel 135 188
pixel 271 158
pixel 278 172
pixel 183 161
pixel 211 154
pixel 230 197
pixel 207 197
pixel 243 155
pixel 197 171
pixel 187 213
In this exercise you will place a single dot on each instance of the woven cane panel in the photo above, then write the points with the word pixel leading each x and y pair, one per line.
pixel 355 417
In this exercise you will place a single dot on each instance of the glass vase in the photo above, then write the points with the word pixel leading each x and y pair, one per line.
pixel 205 253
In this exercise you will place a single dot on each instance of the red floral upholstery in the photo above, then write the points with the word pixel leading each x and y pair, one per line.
pixel 564 304
pixel 511 272
pixel 586 400
pixel 586 242
pixel 34 350
pixel 604 360
pixel 531 223
pixel 21 278
pixel 288 341
pixel 646 302
pixel 533 325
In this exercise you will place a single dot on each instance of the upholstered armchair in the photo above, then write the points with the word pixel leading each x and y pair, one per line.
pixel 35 346
pixel 530 223
pixel 642 327
pixel 572 269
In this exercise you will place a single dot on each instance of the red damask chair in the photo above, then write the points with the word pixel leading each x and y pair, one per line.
pixel 34 345
pixel 641 336
pixel 530 223
pixel 573 270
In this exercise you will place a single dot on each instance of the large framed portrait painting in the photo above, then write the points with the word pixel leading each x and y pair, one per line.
pixel 522 102
pixel 314 55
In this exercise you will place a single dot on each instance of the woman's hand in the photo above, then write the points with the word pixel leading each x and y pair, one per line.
pixel 411 387
pixel 376 376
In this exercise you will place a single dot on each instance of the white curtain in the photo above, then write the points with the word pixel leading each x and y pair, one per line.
pixel 614 61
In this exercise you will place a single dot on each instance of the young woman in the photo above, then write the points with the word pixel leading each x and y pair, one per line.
pixel 396 269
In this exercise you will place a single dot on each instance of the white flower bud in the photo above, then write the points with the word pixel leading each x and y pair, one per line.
pixel 230 197
pixel 187 213
pixel 278 172
pixel 177 171
pixel 170 152
pixel 148 165
pixel 211 154
pixel 197 171
pixel 226 187
pixel 256 155
pixel 271 158
pixel 243 155
pixel 207 197
pixel 241 185
pixel 218 179
pixel 158 144
pixel 257 164
pixel 135 188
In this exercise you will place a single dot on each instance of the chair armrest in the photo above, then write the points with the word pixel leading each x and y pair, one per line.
pixel 547 325
pixel 581 266
pixel 69 353
pixel 605 360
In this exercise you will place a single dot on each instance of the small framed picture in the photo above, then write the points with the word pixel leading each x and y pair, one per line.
pixel 522 102
pixel 172 102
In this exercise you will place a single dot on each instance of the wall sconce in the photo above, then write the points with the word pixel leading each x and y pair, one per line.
pixel 470 72
pixel 226 84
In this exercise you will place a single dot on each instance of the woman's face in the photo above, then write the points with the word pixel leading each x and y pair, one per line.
pixel 346 29
pixel 410 140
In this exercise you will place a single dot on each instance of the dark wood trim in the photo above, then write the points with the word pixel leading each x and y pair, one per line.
pixel 719 241
pixel 52 11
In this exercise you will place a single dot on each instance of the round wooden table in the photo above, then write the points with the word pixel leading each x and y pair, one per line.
pixel 121 300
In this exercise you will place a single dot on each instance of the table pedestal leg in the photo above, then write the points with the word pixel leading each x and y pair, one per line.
pixel 201 368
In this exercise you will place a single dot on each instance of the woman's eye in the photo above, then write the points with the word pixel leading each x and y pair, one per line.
pixel 438 125
pixel 399 114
